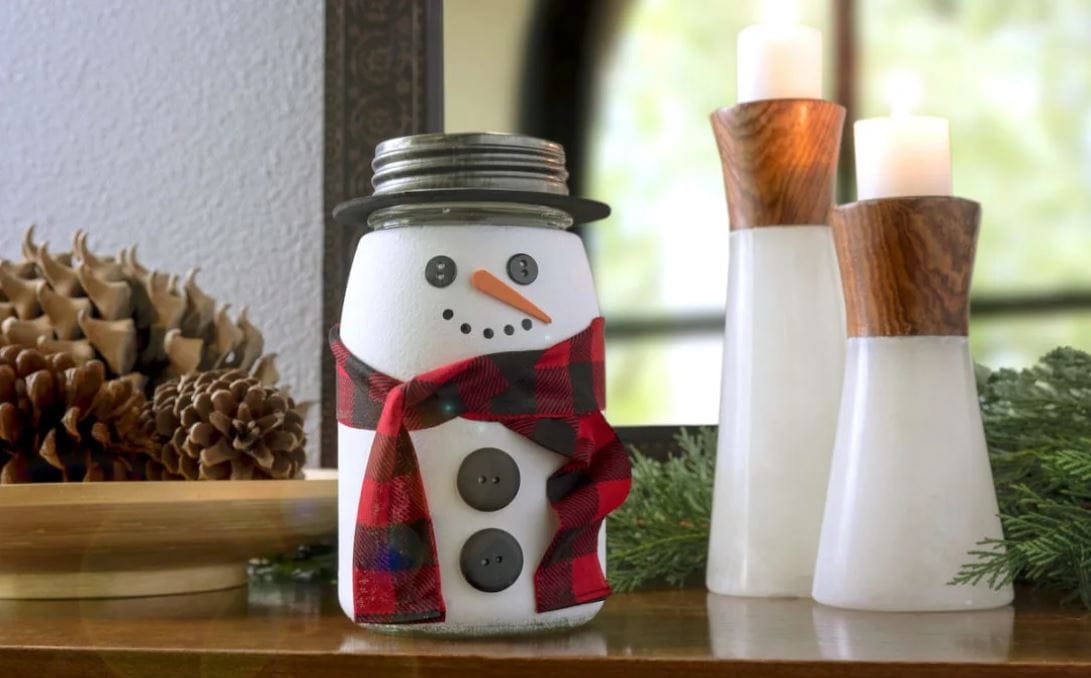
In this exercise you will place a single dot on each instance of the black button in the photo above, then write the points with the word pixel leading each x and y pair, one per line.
pixel 488 479
pixel 491 560
pixel 440 271
pixel 523 269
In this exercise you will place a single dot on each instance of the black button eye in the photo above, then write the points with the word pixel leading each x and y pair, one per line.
pixel 523 269
pixel 440 271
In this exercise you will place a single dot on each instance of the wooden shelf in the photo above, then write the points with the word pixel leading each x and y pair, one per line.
pixel 298 630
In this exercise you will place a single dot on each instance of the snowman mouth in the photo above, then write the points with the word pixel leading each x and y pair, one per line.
pixel 466 328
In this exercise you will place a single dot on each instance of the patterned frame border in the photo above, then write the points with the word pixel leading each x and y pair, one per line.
pixel 383 78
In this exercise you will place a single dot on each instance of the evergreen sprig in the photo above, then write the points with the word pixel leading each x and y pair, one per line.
pixel 1038 427
pixel 310 562
pixel 660 533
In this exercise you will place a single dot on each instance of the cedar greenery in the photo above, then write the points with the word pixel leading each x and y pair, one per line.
pixel 308 563
pixel 660 533
pixel 1038 426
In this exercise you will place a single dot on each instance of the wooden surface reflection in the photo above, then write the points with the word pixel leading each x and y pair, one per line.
pixel 298 630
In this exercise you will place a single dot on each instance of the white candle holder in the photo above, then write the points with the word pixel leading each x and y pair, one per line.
pixel 911 490
pixel 783 347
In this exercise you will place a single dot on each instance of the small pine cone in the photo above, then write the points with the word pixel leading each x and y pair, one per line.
pixel 164 413
pixel 61 422
pixel 225 424
pixel 152 465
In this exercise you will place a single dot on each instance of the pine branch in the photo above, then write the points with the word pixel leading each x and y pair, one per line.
pixel 1038 428
pixel 660 534
pixel 312 562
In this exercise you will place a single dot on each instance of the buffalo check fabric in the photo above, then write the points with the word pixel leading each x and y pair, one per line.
pixel 553 397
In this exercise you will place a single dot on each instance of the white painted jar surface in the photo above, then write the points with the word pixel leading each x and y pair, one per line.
pixel 395 321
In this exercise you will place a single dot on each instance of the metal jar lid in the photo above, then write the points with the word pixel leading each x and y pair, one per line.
pixel 469 167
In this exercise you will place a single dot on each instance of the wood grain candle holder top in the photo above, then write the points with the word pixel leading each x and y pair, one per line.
pixel 906 264
pixel 779 160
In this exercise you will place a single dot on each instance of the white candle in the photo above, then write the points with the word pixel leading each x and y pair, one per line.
pixel 903 154
pixel 779 61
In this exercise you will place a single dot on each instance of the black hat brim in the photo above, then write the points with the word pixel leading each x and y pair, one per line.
pixel 356 212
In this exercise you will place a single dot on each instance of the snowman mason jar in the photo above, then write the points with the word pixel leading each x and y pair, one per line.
pixel 475 465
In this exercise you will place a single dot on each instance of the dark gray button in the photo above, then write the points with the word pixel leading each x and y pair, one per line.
pixel 523 269
pixel 488 479
pixel 440 271
pixel 491 560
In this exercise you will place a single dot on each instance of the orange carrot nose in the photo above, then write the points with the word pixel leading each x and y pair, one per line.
pixel 501 291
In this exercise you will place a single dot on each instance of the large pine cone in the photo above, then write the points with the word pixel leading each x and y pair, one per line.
pixel 138 322
pixel 60 421
pixel 226 424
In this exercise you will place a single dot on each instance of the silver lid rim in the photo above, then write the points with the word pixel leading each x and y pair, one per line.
pixel 483 140
pixel 356 212
pixel 469 160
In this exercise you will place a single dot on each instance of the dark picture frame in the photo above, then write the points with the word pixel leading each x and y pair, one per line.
pixel 383 79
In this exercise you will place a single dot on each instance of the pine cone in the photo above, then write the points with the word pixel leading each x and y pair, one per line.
pixel 60 421
pixel 136 321
pixel 226 424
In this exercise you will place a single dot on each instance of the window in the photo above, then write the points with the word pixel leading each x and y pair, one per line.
pixel 1019 102
pixel 1015 80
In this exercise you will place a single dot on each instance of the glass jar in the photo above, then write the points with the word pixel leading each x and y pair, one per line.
pixel 449 210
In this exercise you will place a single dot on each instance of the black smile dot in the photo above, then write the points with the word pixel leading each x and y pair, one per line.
pixel 509 330
pixel 527 324
pixel 466 329
pixel 488 333
pixel 448 314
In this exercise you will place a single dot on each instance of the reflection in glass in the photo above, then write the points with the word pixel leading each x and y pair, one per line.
pixel 761 628
pixel 586 641
pixel 899 636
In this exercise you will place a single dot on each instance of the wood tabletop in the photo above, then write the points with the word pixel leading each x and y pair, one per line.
pixel 298 630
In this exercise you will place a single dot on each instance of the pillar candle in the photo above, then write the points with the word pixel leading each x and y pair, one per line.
pixel 902 155
pixel 779 61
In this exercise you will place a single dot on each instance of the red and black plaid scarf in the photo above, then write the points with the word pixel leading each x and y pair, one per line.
pixel 553 397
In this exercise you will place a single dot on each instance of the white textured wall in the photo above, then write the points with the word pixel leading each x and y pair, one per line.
pixel 191 127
